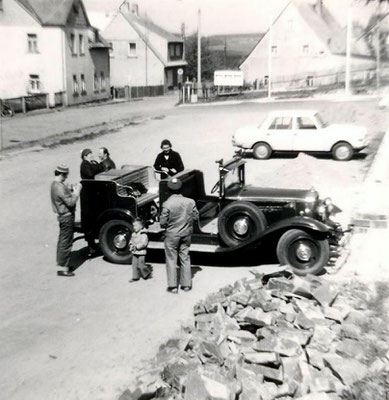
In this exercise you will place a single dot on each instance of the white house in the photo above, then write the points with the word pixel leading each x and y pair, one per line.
pixel 143 54
pixel 307 46
pixel 49 46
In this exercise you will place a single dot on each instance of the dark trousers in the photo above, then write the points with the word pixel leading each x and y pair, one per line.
pixel 65 240
pixel 178 247
pixel 139 269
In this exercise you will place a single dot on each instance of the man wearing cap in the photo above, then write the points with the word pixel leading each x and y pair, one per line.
pixel 63 201
pixel 177 216
pixel 168 161
pixel 89 167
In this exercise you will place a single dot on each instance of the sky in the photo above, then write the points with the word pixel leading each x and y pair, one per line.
pixel 220 16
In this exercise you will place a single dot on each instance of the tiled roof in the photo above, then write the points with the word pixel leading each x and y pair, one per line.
pixel 50 12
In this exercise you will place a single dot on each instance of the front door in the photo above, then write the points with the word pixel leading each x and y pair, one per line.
pixel 279 134
pixel 307 135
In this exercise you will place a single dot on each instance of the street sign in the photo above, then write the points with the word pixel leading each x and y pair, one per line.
pixel 180 71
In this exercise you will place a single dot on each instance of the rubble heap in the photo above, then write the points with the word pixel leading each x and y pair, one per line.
pixel 277 336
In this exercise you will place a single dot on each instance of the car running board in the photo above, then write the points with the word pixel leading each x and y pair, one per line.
pixel 201 248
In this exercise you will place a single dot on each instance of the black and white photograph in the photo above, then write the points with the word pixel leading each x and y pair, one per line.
pixel 194 199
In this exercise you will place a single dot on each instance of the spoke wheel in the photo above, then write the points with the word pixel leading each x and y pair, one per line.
pixel 303 252
pixel 114 239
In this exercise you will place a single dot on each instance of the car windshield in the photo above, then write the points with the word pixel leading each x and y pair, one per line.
pixel 231 178
pixel 321 121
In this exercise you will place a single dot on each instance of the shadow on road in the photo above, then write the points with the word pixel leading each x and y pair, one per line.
pixel 287 155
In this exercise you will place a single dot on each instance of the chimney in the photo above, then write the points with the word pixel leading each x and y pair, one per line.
pixel 135 9
pixel 125 6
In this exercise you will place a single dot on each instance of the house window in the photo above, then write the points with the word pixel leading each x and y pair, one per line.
pixel 102 81
pixel 131 49
pixel 309 80
pixel 73 45
pixel 83 84
pixel 95 82
pixel 76 87
pixel 111 49
pixel 266 80
pixel 81 42
pixel 274 49
pixel 32 40
pixel 1 5
pixel 305 49
pixel 177 48
pixel 171 50
pixel 34 84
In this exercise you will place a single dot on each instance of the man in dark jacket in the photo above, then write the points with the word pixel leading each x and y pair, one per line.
pixel 106 163
pixel 89 167
pixel 63 201
pixel 177 216
pixel 168 161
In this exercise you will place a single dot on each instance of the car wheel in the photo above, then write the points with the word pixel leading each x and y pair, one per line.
pixel 303 252
pixel 238 222
pixel 342 151
pixel 114 238
pixel 262 151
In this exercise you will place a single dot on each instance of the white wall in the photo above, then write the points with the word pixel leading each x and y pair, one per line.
pixel 18 64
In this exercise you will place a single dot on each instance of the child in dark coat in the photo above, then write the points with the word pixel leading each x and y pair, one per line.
pixel 138 247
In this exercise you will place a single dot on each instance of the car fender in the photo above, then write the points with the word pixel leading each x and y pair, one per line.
pixel 113 213
pixel 305 223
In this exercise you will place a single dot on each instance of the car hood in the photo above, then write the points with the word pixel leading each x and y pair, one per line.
pixel 342 129
pixel 254 193
pixel 246 130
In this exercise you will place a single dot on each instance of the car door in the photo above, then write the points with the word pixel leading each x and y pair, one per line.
pixel 279 133
pixel 307 134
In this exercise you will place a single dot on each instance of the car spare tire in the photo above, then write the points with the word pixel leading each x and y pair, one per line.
pixel 239 222
pixel 114 238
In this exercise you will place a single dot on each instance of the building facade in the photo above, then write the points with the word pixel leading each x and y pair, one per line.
pixel 308 47
pixel 143 54
pixel 51 48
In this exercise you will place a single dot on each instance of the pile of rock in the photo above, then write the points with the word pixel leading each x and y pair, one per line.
pixel 275 336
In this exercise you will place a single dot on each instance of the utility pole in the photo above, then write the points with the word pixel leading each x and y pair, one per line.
pixel 225 52
pixel 269 60
pixel 348 50
pixel 378 51
pixel 199 53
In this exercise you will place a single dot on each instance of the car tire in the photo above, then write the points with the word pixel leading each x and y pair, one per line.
pixel 342 151
pixel 305 253
pixel 113 239
pixel 239 222
pixel 262 151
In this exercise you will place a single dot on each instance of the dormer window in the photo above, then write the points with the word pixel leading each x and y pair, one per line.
pixel 274 49
pixel 305 49
pixel 32 41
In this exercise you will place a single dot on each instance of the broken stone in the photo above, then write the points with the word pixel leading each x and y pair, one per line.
pixel 301 287
pixel 221 321
pixel 310 310
pixel 202 387
pixel 319 396
pixel 241 298
pixel 347 370
pixel 325 294
pixel 271 374
pixel 263 358
pixel 303 322
pixel 273 271
pixel 269 391
pixel 322 382
pixel 259 298
pixel 255 284
pixel 351 331
pixel 199 308
pixel 283 284
pixel 333 313
pixel 176 374
pixel 348 348
pixel 241 315
pixel 258 317
pixel 315 357
pixel 356 317
pixel 284 346
pixel 377 366
pixel 251 389
pixel 213 300
pixel 292 369
pixel 322 338
pixel 210 352
pixel 240 336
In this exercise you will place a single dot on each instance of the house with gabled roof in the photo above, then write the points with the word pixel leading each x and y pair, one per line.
pixel 49 46
pixel 308 47
pixel 143 53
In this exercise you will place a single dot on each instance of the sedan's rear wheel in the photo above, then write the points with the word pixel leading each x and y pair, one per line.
pixel 114 238
pixel 262 151
pixel 342 151
pixel 303 252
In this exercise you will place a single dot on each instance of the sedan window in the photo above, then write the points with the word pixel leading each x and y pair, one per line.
pixel 305 123
pixel 281 123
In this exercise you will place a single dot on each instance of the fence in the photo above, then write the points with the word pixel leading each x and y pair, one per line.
pixel 28 103
pixel 135 92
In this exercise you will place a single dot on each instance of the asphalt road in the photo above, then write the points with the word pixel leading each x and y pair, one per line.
pixel 85 337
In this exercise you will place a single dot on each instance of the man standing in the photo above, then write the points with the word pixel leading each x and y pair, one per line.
pixel 168 161
pixel 63 201
pixel 106 163
pixel 89 167
pixel 177 216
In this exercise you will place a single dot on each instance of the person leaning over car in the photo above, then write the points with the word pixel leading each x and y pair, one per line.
pixel 168 161
pixel 63 201
pixel 177 216
pixel 106 163
pixel 89 167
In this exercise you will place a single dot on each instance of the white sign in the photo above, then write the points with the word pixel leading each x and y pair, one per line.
pixel 228 78
pixel 180 71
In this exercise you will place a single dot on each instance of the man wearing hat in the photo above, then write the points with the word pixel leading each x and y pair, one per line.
pixel 177 216
pixel 89 167
pixel 63 201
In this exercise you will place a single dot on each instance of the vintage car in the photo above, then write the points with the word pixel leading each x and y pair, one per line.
pixel 300 131
pixel 236 217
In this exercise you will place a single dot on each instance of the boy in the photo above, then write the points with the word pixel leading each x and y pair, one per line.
pixel 138 247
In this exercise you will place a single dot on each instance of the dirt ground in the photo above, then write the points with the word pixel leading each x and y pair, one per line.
pixel 84 338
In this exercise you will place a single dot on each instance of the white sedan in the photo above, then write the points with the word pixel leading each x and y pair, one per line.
pixel 300 130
